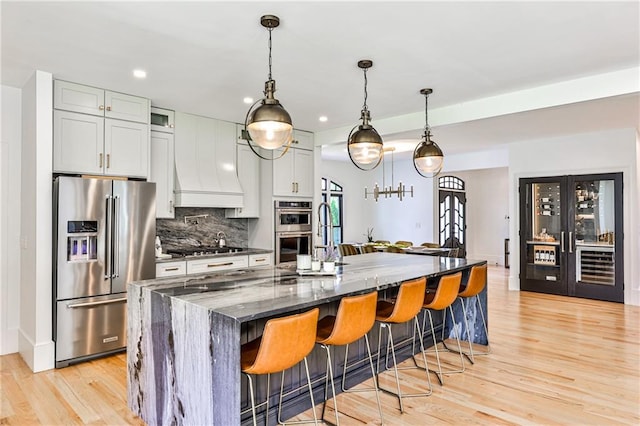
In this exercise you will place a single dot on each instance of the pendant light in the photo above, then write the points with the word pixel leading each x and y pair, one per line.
pixel 427 157
pixel 365 144
pixel 268 125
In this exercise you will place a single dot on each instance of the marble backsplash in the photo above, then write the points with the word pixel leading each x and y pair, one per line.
pixel 175 233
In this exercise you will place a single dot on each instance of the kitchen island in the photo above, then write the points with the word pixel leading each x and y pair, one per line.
pixel 184 334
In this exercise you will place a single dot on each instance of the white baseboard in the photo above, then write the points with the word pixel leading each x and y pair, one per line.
pixel 40 356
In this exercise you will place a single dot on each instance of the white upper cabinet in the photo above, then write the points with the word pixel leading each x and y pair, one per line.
pixel 162 120
pixel 302 140
pixel 248 168
pixel 78 143
pixel 161 172
pixel 104 103
pixel 293 172
pixel 99 132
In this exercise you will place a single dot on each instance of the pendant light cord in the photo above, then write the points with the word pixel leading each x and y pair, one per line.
pixel 270 30
pixel 427 129
pixel 366 94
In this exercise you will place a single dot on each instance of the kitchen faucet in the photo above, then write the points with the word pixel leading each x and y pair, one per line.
pixel 327 207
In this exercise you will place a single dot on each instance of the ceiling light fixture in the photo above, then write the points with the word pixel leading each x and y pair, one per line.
pixel 388 191
pixel 365 144
pixel 268 125
pixel 138 73
pixel 427 157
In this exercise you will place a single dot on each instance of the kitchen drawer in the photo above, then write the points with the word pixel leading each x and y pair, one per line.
pixel 214 264
pixel 170 269
pixel 264 259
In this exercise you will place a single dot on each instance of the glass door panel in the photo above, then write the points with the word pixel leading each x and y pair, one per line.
pixel 595 226
pixel 542 254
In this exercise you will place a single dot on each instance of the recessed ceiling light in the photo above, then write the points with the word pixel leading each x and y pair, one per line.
pixel 248 100
pixel 139 73
pixel 323 118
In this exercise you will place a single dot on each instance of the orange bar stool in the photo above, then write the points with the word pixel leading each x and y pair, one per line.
pixel 356 316
pixel 406 307
pixel 284 343
pixel 441 300
pixel 475 285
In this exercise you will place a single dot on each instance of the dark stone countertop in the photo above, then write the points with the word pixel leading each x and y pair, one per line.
pixel 249 294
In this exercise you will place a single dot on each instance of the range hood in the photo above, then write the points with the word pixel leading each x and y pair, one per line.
pixel 205 152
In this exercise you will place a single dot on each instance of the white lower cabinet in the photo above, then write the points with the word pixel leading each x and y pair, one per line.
pixel 171 269
pixel 264 259
pixel 217 264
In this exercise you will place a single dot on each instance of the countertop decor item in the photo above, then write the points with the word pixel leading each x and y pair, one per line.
pixel 427 157
pixel 365 144
pixel 268 125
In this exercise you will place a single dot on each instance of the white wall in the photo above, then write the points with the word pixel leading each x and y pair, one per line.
pixel 487 210
pixel 410 219
pixel 600 152
pixel 35 342
pixel 10 123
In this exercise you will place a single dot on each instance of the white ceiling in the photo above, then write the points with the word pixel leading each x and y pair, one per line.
pixel 205 57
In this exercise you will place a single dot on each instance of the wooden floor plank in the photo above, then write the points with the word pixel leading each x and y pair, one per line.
pixel 554 360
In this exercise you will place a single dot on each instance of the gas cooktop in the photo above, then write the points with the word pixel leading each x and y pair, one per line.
pixel 204 251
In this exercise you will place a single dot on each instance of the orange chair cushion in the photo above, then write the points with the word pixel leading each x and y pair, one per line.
pixel 284 343
pixel 356 315
pixel 476 282
pixel 407 305
pixel 445 294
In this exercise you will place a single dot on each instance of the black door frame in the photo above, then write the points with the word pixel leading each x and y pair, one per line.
pixel 567 253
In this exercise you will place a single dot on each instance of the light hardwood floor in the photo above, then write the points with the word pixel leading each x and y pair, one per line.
pixel 555 360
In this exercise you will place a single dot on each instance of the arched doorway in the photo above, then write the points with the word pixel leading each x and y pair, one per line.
pixel 452 214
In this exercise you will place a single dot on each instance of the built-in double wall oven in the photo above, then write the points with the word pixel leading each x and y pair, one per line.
pixel 293 235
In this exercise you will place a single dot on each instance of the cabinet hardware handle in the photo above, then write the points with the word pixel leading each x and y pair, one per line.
pixel 171 269
pixel 562 241
pixel 101 107
pixel 293 187
pixel 570 242
pixel 171 126
pixel 108 160
pixel 108 108
pixel 100 161
pixel 259 260
pixel 171 205
pixel 216 265
pixel 296 187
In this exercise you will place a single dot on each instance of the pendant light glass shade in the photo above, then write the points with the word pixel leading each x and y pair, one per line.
pixel 364 143
pixel 427 156
pixel 269 125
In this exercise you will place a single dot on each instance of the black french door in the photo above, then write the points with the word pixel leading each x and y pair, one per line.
pixel 452 220
pixel 571 236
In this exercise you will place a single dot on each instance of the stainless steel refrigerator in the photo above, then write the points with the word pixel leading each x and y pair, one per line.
pixel 104 232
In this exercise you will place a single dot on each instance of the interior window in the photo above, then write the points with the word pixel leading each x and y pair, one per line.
pixel 332 193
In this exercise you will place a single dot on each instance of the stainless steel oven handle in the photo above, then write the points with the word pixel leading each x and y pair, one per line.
pixel 294 234
pixel 102 302
pixel 116 237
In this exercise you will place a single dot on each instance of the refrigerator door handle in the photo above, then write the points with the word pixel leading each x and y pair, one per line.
pixel 108 233
pixel 103 302
pixel 116 237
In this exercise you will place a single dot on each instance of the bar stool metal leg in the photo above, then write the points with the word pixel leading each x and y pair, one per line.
pixel 313 404
pixel 390 343
pixel 373 376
